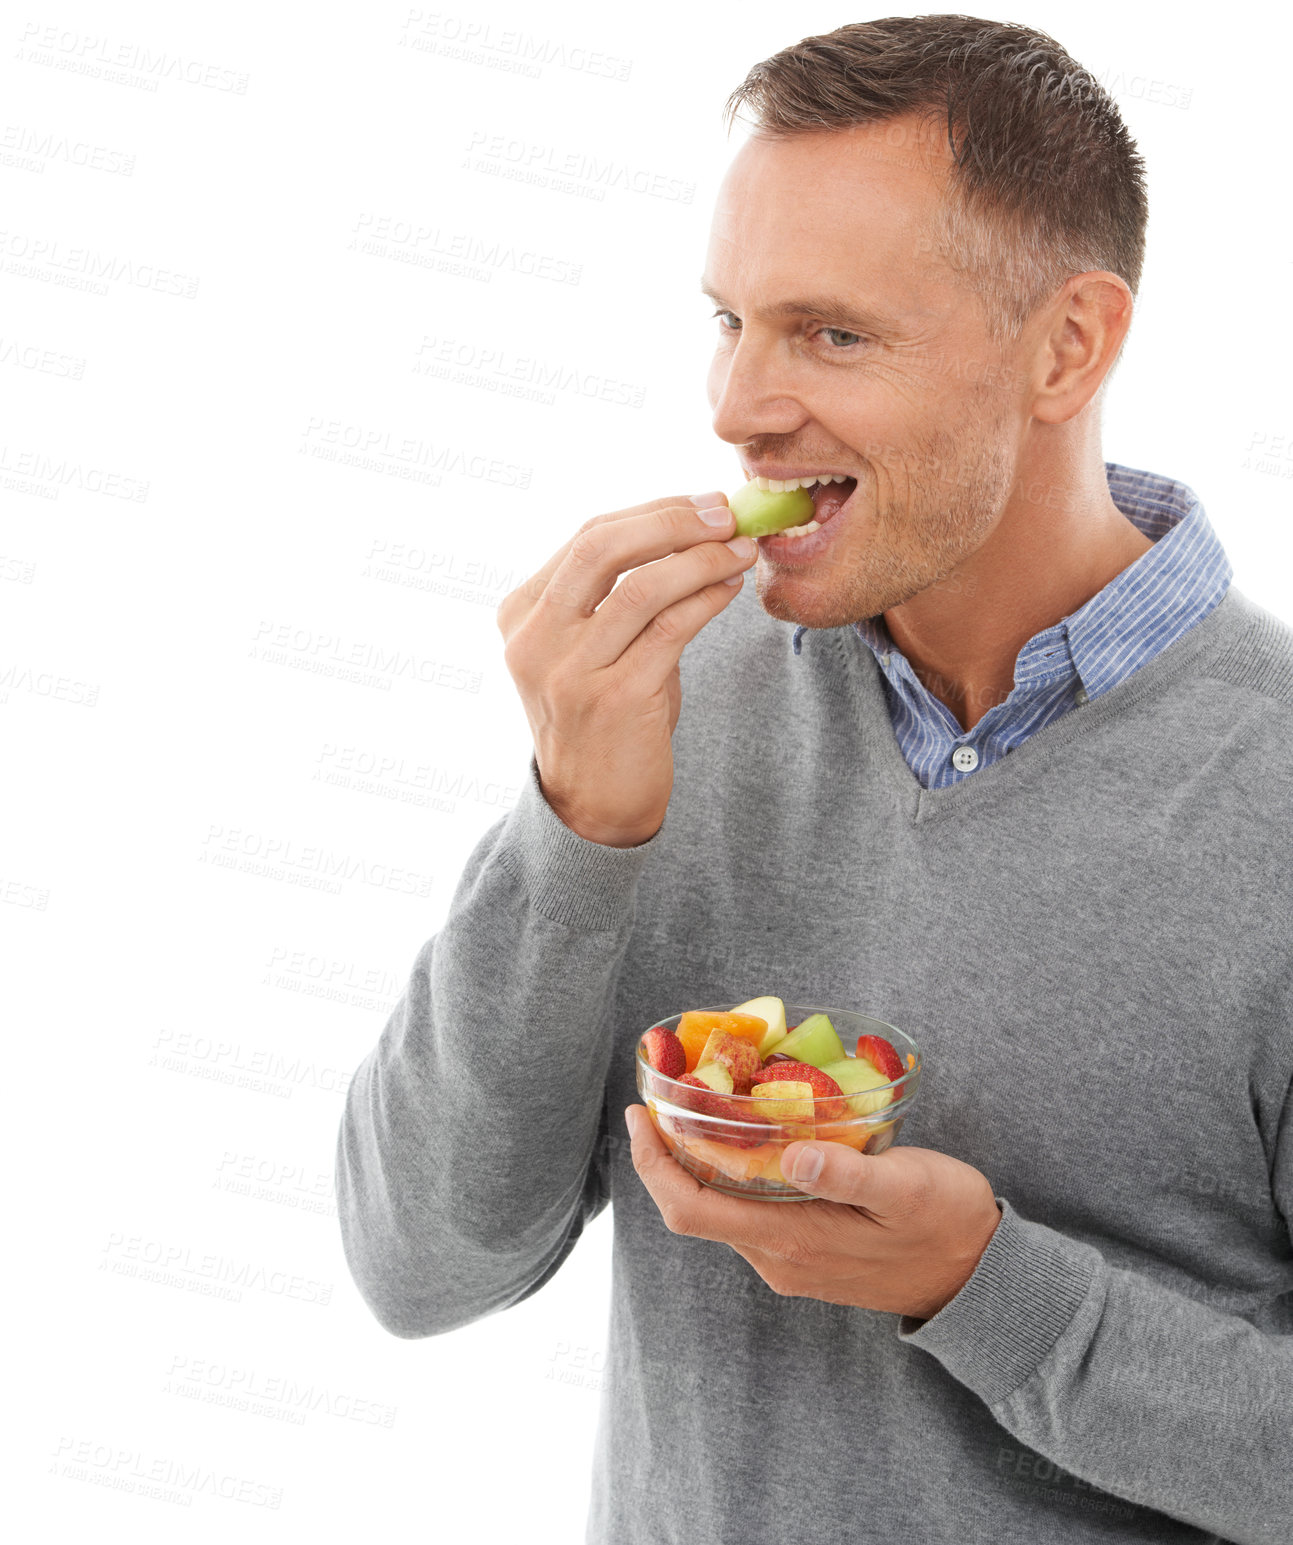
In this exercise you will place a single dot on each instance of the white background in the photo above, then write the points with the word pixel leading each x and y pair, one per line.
pixel 189 558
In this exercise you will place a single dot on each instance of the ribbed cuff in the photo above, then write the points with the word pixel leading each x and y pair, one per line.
pixel 568 879
pixel 1029 1284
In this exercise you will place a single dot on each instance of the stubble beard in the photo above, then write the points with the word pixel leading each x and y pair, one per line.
pixel 939 505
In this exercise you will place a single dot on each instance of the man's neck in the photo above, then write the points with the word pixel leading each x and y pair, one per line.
pixel 963 635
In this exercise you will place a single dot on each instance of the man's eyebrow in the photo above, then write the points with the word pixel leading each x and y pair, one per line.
pixel 842 311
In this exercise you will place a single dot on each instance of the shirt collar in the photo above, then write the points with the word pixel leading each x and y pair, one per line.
pixel 1175 581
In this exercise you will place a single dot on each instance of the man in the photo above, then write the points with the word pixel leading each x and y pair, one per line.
pixel 998 755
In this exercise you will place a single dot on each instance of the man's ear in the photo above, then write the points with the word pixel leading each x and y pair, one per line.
pixel 1083 330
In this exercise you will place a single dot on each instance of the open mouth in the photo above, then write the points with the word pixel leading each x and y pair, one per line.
pixel 830 492
pixel 830 498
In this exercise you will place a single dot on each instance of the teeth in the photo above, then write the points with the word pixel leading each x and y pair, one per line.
pixel 796 531
pixel 772 485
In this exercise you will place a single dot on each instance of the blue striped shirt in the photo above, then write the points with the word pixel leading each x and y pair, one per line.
pixel 1142 610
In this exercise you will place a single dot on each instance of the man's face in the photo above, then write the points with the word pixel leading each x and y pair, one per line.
pixel 900 386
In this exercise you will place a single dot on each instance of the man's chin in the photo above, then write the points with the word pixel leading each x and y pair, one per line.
pixel 799 604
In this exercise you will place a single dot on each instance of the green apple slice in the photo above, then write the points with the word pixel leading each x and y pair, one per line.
pixel 813 1040
pixel 760 513
pixel 773 1012
pixel 857 1078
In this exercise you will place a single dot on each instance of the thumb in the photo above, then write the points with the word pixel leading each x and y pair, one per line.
pixel 837 1173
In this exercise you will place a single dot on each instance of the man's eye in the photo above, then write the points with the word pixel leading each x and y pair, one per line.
pixel 835 333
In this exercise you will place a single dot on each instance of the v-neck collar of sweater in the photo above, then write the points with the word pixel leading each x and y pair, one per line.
pixel 880 744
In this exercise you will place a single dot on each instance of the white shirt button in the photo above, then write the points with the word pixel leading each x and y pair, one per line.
pixel 1080 696
pixel 965 758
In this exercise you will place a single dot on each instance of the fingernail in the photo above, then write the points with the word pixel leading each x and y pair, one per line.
pixel 742 546
pixel 806 1165
pixel 629 1118
pixel 712 508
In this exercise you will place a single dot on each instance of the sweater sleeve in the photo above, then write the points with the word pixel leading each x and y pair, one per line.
pixel 470 1154
pixel 1149 1394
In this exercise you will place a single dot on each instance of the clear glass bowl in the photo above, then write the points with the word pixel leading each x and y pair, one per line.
pixel 743 1158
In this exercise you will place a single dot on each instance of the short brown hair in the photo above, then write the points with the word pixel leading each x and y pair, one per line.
pixel 1046 181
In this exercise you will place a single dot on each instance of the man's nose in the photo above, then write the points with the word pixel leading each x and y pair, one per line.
pixel 751 395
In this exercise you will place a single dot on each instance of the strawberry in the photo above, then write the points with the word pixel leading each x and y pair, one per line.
pixel 881 1055
pixel 706 1103
pixel 664 1051
pixel 822 1085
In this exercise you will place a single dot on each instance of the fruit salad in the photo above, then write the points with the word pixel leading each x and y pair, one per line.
pixel 729 1088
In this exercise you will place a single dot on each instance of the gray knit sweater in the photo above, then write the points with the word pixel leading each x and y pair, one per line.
pixel 1092 941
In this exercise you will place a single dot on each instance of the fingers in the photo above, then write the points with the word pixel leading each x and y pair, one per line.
pixel 664 600
pixel 881 1184
pixel 656 650
pixel 585 583
pixel 885 1187
pixel 686 1206
pixel 602 740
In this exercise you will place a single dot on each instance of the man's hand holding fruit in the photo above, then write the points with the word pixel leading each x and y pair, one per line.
pixel 900 1231
pixel 595 657
pixel 893 1229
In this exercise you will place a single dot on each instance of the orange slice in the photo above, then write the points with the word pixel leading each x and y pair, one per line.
pixel 696 1026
